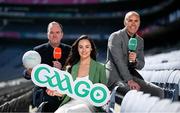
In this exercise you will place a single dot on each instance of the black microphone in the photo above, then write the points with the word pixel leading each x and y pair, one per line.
pixel 132 44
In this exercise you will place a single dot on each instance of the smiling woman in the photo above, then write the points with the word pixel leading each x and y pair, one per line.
pixel 82 64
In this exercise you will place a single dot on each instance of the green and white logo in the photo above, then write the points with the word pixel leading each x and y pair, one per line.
pixel 46 76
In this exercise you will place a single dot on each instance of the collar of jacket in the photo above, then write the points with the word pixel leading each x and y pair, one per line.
pixel 92 71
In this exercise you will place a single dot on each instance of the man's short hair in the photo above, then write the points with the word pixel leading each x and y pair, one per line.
pixel 54 23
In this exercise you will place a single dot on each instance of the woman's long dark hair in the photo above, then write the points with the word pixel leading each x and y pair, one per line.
pixel 74 56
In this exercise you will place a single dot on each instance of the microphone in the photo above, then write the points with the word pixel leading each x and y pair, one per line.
pixel 57 53
pixel 132 44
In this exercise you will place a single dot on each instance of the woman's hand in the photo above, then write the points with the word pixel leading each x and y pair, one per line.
pixel 53 93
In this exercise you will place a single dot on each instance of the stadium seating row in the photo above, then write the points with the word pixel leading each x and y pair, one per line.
pixel 138 102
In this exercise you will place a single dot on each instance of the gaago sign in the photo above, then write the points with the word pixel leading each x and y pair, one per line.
pixel 46 76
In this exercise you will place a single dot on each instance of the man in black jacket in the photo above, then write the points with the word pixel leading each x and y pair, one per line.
pixel 54 34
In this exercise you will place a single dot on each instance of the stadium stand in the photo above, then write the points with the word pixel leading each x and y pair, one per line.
pixel 163 70
pixel 23 26
pixel 100 18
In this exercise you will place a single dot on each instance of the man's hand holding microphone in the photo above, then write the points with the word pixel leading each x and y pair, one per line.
pixel 57 55
pixel 132 45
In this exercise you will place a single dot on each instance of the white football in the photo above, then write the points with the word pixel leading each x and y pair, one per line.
pixel 31 58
